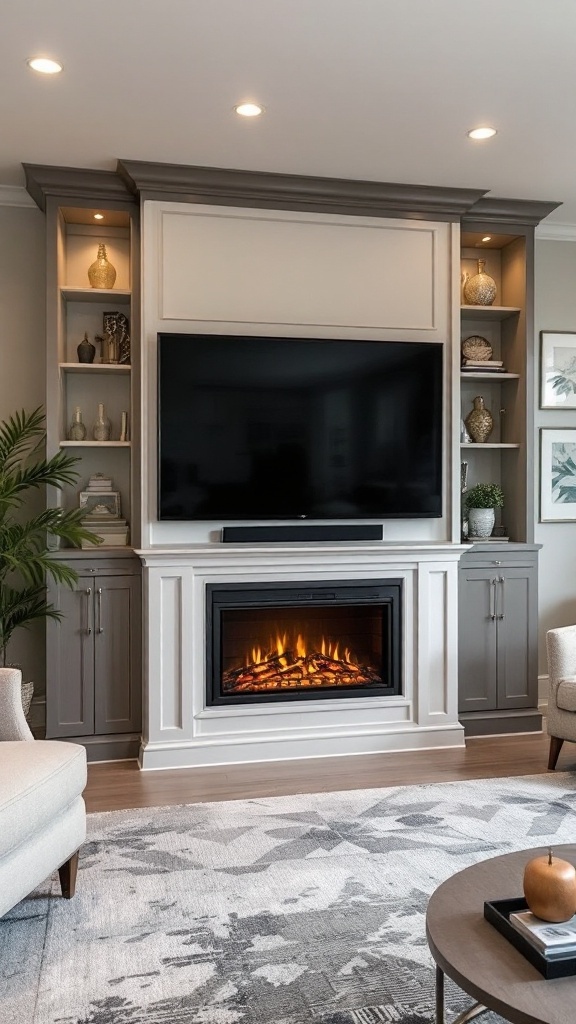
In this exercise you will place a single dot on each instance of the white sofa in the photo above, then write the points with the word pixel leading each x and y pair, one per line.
pixel 42 813
pixel 561 713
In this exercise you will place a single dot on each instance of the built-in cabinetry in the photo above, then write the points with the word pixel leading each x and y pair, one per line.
pixel 498 639
pixel 76 309
pixel 498 580
pixel 93 692
pixel 93 670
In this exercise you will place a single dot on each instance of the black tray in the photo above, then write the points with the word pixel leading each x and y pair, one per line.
pixel 497 912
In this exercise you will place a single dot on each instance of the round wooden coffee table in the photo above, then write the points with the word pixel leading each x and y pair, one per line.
pixel 479 959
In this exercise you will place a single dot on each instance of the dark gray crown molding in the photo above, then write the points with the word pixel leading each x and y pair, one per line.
pixel 74 183
pixel 226 186
pixel 509 211
pixel 138 179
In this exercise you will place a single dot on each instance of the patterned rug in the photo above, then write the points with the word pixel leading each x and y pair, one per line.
pixel 289 910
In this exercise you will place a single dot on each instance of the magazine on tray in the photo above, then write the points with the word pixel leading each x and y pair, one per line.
pixel 552 939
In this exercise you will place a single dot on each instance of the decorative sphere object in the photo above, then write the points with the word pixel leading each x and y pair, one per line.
pixel 480 290
pixel 479 422
pixel 550 888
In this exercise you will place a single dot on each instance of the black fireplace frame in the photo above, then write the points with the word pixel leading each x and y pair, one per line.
pixel 222 596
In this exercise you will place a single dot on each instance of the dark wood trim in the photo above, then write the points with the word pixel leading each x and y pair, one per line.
pixel 507 211
pixel 67 874
pixel 72 183
pixel 231 187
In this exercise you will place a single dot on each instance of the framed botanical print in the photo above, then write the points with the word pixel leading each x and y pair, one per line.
pixel 557 475
pixel 557 370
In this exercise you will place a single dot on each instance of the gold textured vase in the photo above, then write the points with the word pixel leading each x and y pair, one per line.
pixel 479 422
pixel 479 290
pixel 101 273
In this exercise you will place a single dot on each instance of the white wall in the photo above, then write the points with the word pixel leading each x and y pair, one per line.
pixel 23 363
pixel 555 309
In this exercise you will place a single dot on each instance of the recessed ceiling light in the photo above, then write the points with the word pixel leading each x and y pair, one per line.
pixel 249 109
pixel 481 133
pixel 487 238
pixel 44 65
pixel 98 216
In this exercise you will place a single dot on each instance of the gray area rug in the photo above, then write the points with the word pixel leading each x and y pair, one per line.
pixel 286 910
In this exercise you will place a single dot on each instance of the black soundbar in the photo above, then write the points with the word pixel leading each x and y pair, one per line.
pixel 305 532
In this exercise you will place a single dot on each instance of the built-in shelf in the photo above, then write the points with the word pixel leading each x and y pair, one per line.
pixel 488 312
pixel 95 367
pixel 73 294
pixel 95 444
pixel 486 444
pixel 489 376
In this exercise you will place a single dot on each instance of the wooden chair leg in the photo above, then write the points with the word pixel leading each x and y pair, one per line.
pixel 67 874
pixel 555 748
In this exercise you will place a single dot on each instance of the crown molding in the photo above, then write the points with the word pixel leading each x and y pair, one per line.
pixel 72 183
pixel 527 212
pixel 556 232
pixel 12 195
pixel 231 187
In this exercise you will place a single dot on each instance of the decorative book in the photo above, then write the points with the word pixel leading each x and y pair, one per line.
pixel 558 964
pixel 549 937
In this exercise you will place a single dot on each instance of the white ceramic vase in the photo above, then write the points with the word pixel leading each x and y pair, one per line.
pixel 480 522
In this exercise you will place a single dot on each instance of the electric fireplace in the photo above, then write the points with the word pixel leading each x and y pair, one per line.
pixel 286 642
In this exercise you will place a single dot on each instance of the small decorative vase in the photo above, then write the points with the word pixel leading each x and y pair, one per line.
pixel 86 350
pixel 102 426
pixel 479 422
pixel 77 430
pixel 101 273
pixel 479 290
pixel 480 522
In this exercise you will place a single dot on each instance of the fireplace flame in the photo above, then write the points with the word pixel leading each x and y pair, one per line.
pixel 292 663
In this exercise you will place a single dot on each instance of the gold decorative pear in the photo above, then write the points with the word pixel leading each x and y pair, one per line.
pixel 479 422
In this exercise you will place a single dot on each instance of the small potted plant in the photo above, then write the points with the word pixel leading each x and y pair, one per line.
pixel 481 501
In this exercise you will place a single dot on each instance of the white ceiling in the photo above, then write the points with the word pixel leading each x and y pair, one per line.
pixel 373 89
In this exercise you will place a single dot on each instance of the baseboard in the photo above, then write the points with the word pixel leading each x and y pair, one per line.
pixel 123 747
pixel 498 723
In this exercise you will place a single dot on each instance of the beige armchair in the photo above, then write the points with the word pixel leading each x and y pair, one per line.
pixel 42 813
pixel 561 715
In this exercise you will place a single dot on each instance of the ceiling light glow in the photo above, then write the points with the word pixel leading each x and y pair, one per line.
pixel 44 65
pixel 487 238
pixel 249 109
pixel 481 133
pixel 98 216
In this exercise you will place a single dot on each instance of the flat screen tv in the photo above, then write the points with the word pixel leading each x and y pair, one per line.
pixel 266 428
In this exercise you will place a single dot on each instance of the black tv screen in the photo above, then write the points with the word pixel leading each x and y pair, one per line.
pixel 260 428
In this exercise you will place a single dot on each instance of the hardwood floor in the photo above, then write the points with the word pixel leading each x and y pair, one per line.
pixel 120 784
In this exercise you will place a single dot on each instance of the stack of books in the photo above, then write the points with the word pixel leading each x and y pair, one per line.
pixel 112 530
pixel 553 941
pixel 483 366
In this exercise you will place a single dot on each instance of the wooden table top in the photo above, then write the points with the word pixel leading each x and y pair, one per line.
pixel 481 960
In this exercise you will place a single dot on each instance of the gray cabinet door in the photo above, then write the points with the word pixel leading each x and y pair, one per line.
pixel 517 634
pixel 477 659
pixel 117 658
pixel 70 662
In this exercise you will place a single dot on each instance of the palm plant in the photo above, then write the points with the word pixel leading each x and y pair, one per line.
pixel 25 558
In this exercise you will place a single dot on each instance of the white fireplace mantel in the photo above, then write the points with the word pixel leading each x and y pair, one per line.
pixel 180 730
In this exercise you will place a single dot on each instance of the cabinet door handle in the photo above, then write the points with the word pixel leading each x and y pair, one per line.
pixel 88 593
pixel 501 582
pixel 99 596
pixel 493 599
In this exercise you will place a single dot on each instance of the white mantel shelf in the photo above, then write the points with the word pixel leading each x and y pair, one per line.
pixel 182 731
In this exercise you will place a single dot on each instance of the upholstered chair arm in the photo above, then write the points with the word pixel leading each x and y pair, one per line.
pixel 13 724
pixel 561 648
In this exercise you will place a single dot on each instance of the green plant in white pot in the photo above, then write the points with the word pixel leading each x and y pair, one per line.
pixel 25 557
pixel 481 502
